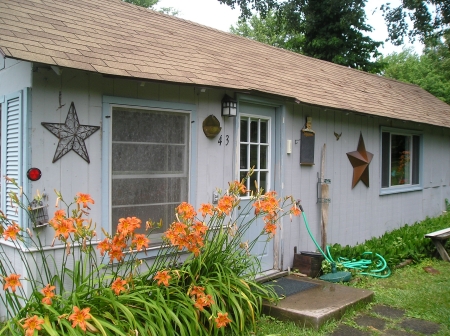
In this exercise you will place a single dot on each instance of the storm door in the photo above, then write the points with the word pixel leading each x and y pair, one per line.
pixel 256 149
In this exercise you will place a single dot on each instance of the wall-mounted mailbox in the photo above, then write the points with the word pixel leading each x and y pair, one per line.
pixel 307 137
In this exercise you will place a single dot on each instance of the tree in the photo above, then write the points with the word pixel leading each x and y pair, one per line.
pixel 430 20
pixel 331 30
pixel 151 4
pixel 246 6
pixel 143 3
pixel 270 30
pixel 430 71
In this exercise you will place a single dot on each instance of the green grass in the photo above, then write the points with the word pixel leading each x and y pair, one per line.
pixel 422 295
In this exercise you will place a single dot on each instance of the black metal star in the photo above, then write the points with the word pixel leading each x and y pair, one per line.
pixel 71 135
pixel 360 160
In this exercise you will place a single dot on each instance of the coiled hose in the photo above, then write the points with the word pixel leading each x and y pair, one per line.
pixel 364 266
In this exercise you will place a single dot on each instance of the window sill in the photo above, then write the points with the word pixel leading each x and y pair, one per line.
pixel 397 190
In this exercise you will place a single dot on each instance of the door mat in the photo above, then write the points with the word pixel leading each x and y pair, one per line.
pixel 287 287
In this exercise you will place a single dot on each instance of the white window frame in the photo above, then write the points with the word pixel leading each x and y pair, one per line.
pixel 405 187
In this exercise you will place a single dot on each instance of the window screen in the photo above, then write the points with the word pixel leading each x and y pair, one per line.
pixel 149 159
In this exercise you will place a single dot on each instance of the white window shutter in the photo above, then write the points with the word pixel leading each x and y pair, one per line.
pixel 11 152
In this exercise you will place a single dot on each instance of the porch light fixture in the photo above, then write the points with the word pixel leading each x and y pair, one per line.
pixel 34 174
pixel 229 106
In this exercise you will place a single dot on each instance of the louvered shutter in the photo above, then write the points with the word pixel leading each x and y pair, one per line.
pixel 11 151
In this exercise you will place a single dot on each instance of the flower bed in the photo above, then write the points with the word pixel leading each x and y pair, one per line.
pixel 112 290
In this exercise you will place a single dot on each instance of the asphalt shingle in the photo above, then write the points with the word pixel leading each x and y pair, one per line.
pixel 112 37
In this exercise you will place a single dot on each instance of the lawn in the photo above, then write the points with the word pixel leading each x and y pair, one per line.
pixel 422 294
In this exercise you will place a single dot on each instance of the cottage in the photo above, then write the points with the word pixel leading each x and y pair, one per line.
pixel 114 100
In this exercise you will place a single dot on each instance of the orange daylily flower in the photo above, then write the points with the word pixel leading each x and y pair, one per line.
pixel 225 204
pixel 237 187
pixel 104 246
pixel 118 285
pixel 141 241
pixel 84 199
pixel 47 301
pixel 128 225
pixel 267 204
pixel 295 210
pixel 48 293
pixel 203 301
pixel 11 231
pixel 115 253
pixel 200 227
pixel 186 210
pixel 270 217
pixel 162 277
pixel 59 215
pixel 206 209
pixel 64 228
pixel 270 228
pixel 12 282
pixel 78 222
pixel 79 317
pixel 197 290
pixel 118 242
pixel 179 228
pixel 222 320
pixel 31 324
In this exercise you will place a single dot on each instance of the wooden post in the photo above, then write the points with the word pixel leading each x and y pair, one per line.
pixel 325 194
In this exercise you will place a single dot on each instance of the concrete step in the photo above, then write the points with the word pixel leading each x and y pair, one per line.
pixel 314 306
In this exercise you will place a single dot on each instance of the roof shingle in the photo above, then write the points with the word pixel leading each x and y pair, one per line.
pixel 116 38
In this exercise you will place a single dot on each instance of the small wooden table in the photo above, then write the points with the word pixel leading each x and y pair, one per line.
pixel 439 238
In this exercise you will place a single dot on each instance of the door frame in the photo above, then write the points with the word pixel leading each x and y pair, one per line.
pixel 279 144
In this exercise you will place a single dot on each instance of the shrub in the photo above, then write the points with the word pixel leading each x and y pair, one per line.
pixel 407 242
pixel 112 290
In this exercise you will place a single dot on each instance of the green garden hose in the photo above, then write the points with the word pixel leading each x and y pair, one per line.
pixel 364 266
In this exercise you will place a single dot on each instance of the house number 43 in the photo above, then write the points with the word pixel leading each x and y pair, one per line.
pixel 227 140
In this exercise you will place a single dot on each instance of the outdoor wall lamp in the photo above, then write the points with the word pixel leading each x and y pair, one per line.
pixel 229 106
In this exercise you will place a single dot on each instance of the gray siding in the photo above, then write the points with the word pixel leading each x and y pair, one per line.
pixel 354 214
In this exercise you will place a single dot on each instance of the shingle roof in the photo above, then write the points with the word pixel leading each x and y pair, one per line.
pixel 115 38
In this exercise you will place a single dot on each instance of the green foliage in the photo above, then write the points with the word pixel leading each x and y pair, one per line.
pixel 330 30
pixel 270 30
pixel 407 242
pixel 143 3
pixel 430 20
pixel 430 71
pixel 247 6
pixel 333 31
pixel 151 4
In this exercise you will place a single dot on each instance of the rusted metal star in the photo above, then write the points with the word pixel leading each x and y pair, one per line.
pixel 360 160
pixel 71 135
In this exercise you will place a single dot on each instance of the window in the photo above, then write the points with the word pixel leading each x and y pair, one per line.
pixel 400 162
pixel 149 165
pixel 255 151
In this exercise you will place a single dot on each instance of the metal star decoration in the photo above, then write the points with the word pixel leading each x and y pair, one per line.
pixel 71 135
pixel 360 160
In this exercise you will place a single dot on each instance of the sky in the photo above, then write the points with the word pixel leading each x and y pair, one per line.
pixel 214 14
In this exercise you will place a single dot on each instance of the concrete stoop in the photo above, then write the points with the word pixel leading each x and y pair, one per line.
pixel 315 306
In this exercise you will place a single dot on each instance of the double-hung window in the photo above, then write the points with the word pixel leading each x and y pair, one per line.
pixel 149 164
pixel 400 160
